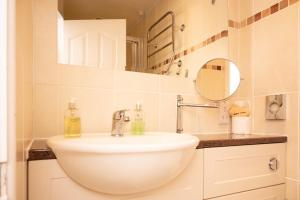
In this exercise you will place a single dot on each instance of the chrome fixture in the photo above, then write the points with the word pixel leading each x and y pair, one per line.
pixel 273 164
pixel 182 27
pixel 276 107
pixel 180 104
pixel 119 121
pixel 152 39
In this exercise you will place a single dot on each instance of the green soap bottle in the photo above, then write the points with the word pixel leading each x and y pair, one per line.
pixel 138 123
pixel 72 122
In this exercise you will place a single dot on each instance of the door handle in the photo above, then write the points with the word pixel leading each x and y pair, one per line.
pixel 273 164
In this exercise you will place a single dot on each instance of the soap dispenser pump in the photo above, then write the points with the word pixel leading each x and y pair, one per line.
pixel 72 122
pixel 138 123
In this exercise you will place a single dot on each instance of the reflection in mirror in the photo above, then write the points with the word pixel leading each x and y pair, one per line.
pixel 218 79
pixel 150 36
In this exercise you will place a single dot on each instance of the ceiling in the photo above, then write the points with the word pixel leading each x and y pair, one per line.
pixel 132 10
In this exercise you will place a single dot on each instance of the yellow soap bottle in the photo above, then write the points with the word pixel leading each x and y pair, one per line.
pixel 72 122
pixel 138 123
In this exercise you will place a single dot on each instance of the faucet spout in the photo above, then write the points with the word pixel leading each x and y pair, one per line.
pixel 119 121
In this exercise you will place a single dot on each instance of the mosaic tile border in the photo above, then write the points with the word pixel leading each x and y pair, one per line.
pixel 213 67
pixel 191 49
pixel 262 14
pixel 232 24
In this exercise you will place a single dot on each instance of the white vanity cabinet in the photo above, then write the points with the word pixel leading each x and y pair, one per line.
pixel 48 181
pixel 220 173
pixel 269 193
pixel 258 169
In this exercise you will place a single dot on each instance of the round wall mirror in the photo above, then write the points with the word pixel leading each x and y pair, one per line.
pixel 218 79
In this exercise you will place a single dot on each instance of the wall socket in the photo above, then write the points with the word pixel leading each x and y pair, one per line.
pixel 223 114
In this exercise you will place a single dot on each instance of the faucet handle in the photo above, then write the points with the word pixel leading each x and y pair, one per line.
pixel 120 114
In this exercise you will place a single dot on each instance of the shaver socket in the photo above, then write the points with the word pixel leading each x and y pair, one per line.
pixel 276 107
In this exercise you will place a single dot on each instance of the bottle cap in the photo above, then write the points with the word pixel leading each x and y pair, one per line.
pixel 72 103
pixel 138 106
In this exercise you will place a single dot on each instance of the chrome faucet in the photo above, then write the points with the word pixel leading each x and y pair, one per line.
pixel 119 121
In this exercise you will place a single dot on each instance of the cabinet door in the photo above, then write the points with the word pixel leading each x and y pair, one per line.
pixel 270 193
pixel 229 170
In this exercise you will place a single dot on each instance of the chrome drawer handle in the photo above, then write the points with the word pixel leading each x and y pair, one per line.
pixel 273 164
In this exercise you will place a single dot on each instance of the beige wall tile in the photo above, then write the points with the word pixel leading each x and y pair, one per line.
pixel 275 53
pixel 24 91
pixel 246 9
pixel 167 112
pixel 201 120
pixel 239 9
pixel 245 63
pixel 149 101
pixel 46 111
pixel 291 189
pixel 45 48
pixel 21 180
pixel 133 81
pixel 234 10
pixel 287 127
pixel 194 120
pixel 95 106
pixel 27 117
pixel 176 85
pixel 83 76
pixel 197 59
pixel 233 41
pixel 211 19
pixel 240 52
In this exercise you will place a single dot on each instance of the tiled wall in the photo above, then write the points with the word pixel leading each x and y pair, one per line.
pixel 266 51
pixel 99 92
pixel 103 92
pixel 24 93
pixel 267 43
pixel 198 32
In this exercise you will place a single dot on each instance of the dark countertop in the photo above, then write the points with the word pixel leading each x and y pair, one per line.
pixel 40 151
pixel 225 140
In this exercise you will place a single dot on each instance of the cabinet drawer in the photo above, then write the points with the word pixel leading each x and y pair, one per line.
pixel 229 170
pixel 269 193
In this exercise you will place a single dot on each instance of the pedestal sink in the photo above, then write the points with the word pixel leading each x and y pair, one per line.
pixel 124 165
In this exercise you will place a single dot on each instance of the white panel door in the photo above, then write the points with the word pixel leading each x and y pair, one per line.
pixel 96 43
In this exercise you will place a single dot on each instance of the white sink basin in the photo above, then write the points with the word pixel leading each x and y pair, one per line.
pixel 124 165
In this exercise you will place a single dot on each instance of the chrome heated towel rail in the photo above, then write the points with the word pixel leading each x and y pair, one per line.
pixel 151 39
